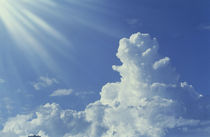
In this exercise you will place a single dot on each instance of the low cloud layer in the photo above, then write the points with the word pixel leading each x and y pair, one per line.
pixel 149 101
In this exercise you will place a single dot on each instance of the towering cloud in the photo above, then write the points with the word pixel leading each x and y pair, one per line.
pixel 148 101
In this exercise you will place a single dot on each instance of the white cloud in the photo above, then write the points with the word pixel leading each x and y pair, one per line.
pixel 160 63
pixel 146 52
pixel 62 92
pixel 44 82
pixel 145 103
pixel 49 120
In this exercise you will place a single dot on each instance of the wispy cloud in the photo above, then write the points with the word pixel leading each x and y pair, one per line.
pixel 207 27
pixel 133 22
pixel 2 81
pixel 84 93
pixel 61 92
pixel 44 82
pixel 204 27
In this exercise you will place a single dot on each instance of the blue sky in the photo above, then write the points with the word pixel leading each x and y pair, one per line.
pixel 62 52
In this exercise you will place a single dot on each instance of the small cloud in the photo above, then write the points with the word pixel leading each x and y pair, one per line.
pixel 44 82
pixel 2 81
pixel 84 94
pixel 61 92
pixel 204 27
pixel 207 27
pixel 133 21
pixel 160 63
pixel 185 84
pixel 146 52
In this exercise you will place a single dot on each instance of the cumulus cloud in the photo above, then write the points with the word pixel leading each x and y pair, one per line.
pixel 61 92
pixel 44 82
pixel 49 120
pixel 146 102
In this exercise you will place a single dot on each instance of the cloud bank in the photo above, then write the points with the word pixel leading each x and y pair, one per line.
pixel 148 101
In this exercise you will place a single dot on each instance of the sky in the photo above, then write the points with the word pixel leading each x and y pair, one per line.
pixel 90 68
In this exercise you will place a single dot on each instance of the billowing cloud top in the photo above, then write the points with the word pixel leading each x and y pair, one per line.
pixel 149 101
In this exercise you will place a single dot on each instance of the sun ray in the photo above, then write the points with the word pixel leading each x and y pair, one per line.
pixel 26 29
pixel 35 27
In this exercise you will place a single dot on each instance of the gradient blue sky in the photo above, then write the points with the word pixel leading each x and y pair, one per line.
pixel 78 41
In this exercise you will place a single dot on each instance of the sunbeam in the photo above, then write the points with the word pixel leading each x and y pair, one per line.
pixel 27 30
pixel 31 26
